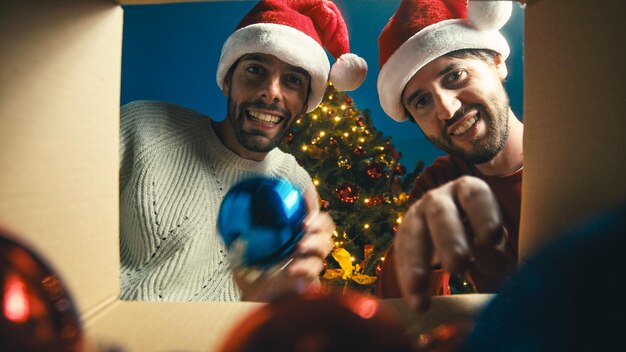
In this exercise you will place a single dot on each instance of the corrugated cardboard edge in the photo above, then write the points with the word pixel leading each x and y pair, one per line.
pixel 574 147
pixel 59 101
pixel 149 326
pixel 141 326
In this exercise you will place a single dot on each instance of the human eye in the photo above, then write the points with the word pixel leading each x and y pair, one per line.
pixel 294 80
pixel 421 102
pixel 255 69
pixel 455 77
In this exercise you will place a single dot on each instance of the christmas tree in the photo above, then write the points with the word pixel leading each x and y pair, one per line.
pixel 361 182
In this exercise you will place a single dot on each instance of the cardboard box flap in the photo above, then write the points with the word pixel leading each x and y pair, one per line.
pixel 141 326
pixel 574 116
pixel 151 326
pixel 59 102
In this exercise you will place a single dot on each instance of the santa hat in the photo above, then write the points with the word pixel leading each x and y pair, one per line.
pixel 423 30
pixel 296 32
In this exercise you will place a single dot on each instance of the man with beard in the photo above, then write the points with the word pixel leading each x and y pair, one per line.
pixel 177 165
pixel 444 71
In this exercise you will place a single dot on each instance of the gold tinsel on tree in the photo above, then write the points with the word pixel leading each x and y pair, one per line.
pixel 362 184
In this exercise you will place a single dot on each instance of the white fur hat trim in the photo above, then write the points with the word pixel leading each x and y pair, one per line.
pixel 426 45
pixel 284 42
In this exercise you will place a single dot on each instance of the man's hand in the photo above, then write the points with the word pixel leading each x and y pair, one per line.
pixel 301 273
pixel 433 227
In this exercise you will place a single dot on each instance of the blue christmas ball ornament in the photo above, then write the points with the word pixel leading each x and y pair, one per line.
pixel 260 220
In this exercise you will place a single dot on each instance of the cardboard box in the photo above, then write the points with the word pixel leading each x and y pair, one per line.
pixel 59 118
pixel 574 105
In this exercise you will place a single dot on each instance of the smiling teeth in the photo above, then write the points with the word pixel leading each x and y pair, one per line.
pixel 263 117
pixel 464 127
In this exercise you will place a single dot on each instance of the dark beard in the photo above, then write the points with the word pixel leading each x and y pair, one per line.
pixel 250 139
pixel 495 114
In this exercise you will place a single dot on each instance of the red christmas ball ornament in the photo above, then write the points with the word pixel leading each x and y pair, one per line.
pixel 320 321
pixel 325 205
pixel 347 193
pixel 399 169
pixel 358 151
pixel 38 312
pixel 377 200
pixel 376 171
pixel 333 142
pixel 445 337
pixel 288 138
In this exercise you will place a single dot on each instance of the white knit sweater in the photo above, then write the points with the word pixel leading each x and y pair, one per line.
pixel 174 173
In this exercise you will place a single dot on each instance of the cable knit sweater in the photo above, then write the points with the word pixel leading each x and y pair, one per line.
pixel 174 173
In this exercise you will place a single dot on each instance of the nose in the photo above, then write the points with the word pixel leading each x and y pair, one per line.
pixel 272 90
pixel 446 104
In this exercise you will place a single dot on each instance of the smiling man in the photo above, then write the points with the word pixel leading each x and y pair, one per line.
pixel 177 165
pixel 442 67
pixel 257 123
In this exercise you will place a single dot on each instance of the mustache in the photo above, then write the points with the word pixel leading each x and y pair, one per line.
pixel 270 107
pixel 461 112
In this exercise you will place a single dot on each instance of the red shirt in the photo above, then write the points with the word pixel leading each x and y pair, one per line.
pixel 508 192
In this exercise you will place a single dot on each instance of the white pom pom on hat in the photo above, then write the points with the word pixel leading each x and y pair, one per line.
pixel 489 15
pixel 296 32
pixel 423 30
pixel 348 72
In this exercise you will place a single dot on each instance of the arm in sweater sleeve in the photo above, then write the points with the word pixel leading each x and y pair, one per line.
pixel 128 115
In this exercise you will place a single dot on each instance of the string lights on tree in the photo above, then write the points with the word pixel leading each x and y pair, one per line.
pixel 360 181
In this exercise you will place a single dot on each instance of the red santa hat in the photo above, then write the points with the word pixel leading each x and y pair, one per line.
pixel 296 31
pixel 423 30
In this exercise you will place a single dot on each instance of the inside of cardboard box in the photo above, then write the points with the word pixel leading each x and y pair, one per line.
pixel 59 103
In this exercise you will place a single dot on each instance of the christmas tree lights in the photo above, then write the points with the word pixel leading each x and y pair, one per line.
pixel 360 181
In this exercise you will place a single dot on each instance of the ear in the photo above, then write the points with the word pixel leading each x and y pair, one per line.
pixel 306 101
pixel 500 67
pixel 304 108
pixel 226 86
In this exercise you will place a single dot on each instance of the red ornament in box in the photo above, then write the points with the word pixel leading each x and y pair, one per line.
pixel 347 193
pixel 446 337
pixel 38 313
pixel 320 321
